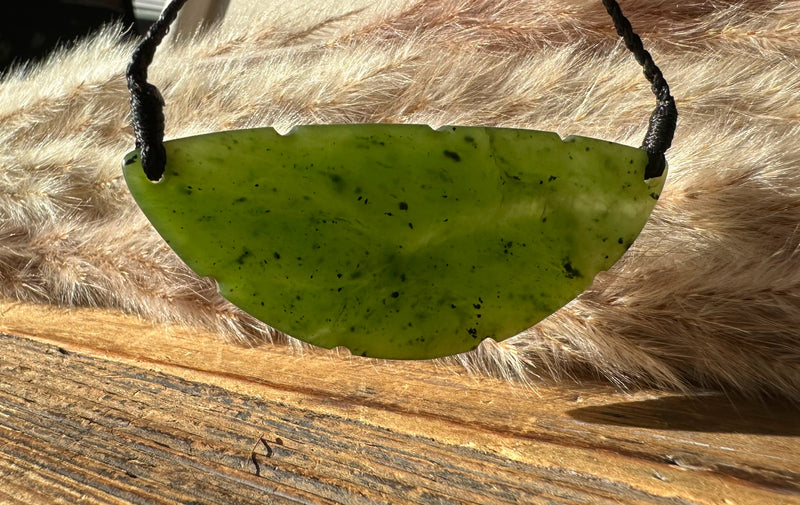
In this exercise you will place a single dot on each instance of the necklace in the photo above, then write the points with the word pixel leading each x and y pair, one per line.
pixel 395 240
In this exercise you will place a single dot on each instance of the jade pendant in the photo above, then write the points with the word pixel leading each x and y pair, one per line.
pixel 397 241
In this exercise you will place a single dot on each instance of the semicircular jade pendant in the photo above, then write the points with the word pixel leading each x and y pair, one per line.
pixel 398 241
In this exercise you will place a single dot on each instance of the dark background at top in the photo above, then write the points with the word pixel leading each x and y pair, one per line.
pixel 30 29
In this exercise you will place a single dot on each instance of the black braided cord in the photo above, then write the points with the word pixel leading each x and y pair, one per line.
pixel 147 105
pixel 664 118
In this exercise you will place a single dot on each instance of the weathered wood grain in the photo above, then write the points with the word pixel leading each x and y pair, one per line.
pixel 98 407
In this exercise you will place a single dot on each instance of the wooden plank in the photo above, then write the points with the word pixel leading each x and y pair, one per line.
pixel 105 408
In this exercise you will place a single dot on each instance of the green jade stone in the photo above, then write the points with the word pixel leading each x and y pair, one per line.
pixel 397 241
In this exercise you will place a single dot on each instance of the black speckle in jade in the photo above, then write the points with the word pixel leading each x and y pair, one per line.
pixel 242 257
pixel 338 182
pixel 452 155
pixel 570 272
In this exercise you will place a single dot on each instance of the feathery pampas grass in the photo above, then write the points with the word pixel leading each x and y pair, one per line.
pixel 708 296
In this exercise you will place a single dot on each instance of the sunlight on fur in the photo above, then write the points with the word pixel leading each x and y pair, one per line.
pixel 708 296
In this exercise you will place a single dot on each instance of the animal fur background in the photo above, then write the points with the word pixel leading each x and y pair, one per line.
pixel 708 296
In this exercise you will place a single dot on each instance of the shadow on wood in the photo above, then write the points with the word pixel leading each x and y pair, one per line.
pixel 706 413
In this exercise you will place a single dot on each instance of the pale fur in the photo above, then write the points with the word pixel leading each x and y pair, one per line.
pixel 708 296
